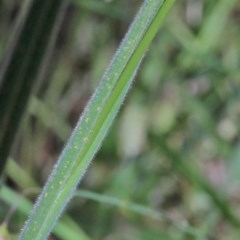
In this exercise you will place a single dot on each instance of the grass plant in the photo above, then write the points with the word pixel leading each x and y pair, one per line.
pixel 168 168
pixel 95 121
pixel 28 46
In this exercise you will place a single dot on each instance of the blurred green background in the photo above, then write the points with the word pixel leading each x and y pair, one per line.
pixel 176 136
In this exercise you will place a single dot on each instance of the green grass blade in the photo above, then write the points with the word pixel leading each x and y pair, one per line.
pixel 194 176
pixel 66 228
pixel 63 229
pixel 95 121
pixel 24 181
pixel 19 72
pixel 50 118
pixel 106 8
pixel 215 23
pixel 139 209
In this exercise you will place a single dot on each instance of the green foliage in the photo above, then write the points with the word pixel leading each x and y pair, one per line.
pixel 27 47
pixel 168 168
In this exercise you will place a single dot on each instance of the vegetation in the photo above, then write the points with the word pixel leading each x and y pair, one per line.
pixel 168 168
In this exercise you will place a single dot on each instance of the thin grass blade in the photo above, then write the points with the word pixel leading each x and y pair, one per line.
pixel 95 121
pixel 65 229
pixel 27 48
